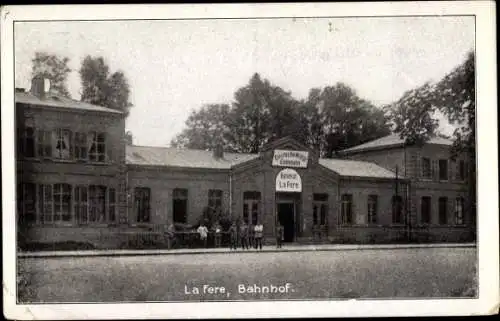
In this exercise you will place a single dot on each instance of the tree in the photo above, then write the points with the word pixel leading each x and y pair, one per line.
pixel 341 119
pixel 262 112
pixel 54 68
pixel 206 128
pixel 101 88
pixel 413 115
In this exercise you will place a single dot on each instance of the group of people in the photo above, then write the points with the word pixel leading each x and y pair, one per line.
pixel 248 236
pixel 244 235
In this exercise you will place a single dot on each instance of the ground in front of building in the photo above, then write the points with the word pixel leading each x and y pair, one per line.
pixel 371 273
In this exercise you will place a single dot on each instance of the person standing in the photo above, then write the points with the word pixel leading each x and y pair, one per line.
pixel 203 231
pixel 233 235
pixel 251 235
pixel 279 235
pixel 218 234
pixel 259 231
pixel 244 235
pixel 171 236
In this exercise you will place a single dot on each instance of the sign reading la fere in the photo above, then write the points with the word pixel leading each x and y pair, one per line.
pixel 290 158
pixel 288 180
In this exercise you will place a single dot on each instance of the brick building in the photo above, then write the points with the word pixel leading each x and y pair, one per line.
pixel 78 180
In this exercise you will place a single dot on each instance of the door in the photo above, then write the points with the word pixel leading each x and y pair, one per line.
pixel 286 216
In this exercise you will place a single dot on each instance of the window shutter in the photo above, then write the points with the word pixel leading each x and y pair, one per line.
pixel 435 169
pixel 457 170
pixel 419 164
pixel 450 170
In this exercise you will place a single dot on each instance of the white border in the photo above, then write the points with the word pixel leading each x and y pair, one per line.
pixel 486 150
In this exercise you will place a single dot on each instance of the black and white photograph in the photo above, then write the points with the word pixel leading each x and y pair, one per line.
pixel 245 160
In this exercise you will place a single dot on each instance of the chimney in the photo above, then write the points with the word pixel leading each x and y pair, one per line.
pixel 218 151
pixel 38 86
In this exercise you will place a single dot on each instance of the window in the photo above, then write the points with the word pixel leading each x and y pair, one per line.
pixel 62 203
pixel 251 207
pixel 372 209
pixel 81 204
pixel 111 205
pixel 44 142
pixel 63 148
pixel 346 209
pixel 443 169
pixel 80 146
pixel 459 210
pixel 426 168
pixel 96 143
pixel 26 198
pixel 97 204
pixel 461 172
pixel 425 210
pixel 27 142
pixel 180 205
pixel 320 209
pixel 397 209
pixel 443 210
pixel 46 203
pixel 215 198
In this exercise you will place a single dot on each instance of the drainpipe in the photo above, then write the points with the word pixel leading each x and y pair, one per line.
pixel 230 193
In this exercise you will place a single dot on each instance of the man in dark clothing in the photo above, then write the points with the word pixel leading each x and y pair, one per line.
pixel 244 235
pixel 233 234
pixel 279 235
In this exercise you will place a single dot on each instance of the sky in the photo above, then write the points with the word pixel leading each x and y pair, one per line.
pixel 176 66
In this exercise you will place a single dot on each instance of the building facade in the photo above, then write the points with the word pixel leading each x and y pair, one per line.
pixel 79 181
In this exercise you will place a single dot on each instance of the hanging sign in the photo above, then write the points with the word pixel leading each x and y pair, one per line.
pixel 288 180
pixel 290 158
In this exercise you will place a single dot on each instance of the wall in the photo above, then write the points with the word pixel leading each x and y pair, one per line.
pixel 162 182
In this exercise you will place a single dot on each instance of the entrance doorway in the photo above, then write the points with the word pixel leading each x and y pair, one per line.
pixel 286 216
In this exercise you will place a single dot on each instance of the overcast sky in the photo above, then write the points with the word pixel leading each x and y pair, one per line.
pixel 176 66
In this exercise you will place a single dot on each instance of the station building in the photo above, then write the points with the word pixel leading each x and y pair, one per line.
pixel 79 180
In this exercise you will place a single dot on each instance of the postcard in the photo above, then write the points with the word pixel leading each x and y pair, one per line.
pixel 249 160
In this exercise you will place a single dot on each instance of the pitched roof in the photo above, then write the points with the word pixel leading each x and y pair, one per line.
pixel 175 157
pixel 392 140
pixel 357 168
pixel 58 101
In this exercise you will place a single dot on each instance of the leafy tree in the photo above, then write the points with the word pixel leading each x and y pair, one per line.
pixel 101 88
pixel 206 128
pixel 455 96
pixel 54 68
pixel 262 112
pixel 413 115
pixel 343 119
